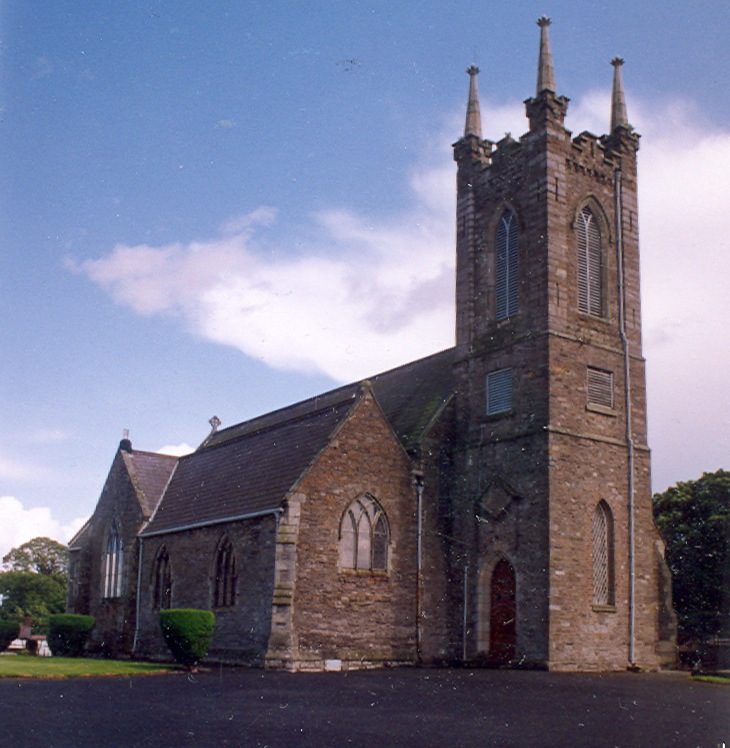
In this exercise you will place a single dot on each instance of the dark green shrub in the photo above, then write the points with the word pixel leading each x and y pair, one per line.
pixel 8 631
pixel 68 633
pixel 187 633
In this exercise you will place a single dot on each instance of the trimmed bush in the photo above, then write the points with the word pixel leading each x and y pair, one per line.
pixel 187 633
pixel 9 630
pixel 68 633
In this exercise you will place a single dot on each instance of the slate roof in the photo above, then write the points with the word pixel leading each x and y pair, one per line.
pixel 248 469
pixel 149 473
pixel 410 396
pixel 248 475
pixel 78 540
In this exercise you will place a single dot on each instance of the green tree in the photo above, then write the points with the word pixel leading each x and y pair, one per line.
pixel 27 593
pixel 40 555
pixel 34 583
pixel 694 520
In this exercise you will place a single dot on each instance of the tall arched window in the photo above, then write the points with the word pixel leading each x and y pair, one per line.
pixel 224 584
pixel 163 580
pixel 590 264
pixel 112 564
pixel 364 536
pixel 507 266
pixel 603 564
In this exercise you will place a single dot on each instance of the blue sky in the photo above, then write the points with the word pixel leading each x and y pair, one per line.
pixel 221 208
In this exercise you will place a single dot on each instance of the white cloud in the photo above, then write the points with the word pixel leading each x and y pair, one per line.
pixel 176 450
pixel 685 234
pixel 18 524
pixel 386 295
pixel 372 304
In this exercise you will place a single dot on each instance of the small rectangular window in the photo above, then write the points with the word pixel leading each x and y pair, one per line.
pixel 599 387
pixel 499 391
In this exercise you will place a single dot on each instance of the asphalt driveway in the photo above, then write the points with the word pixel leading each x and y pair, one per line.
pixel 404 707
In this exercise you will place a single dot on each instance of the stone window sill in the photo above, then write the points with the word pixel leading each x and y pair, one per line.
pixel 604 608
pixel 602 409
pixel 364 572
pixel 601 319
pixel 496 416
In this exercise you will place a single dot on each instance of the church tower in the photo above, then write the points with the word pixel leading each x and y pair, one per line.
pixel 552 500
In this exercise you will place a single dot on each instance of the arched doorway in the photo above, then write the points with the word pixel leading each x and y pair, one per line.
pixel 502 614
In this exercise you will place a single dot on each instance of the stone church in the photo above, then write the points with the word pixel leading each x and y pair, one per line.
pixel 487 504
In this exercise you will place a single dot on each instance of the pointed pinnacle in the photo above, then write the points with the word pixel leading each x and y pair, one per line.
pixel 618 100
pixel 473 124
pixel 545 72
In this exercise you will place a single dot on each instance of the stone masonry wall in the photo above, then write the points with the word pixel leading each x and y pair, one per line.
pixel 442 586
pixel 562 454
pixel 241 632
pixel 115 617
pixel 342 614
pixel 588 444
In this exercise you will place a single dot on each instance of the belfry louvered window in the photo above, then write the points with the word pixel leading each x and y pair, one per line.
pixel 364 536
pixel 499 391
pixel 224 587
pixel 599 387
pixel 507 266
pixel 112 564
pixel 590 264
pixel 603 571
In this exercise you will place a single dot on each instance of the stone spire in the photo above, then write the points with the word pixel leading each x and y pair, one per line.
pixel 545 72
pixel 473 124
pixel 618 100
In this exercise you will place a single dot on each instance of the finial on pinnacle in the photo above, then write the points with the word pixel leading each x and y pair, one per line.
pixel 619 117
pixel 473 124
pixel 214 422
pixel 545 73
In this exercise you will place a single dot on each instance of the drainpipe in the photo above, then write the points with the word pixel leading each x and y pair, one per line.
pixel 618 210
pixel 418 482
pixel 138 596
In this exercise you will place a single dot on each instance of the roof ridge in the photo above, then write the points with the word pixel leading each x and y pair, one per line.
pixel 290 406
pixel 278 424
pixel 153 454
pixel 328 393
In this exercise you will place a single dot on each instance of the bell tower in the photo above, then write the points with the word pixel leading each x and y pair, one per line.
pixel 553 489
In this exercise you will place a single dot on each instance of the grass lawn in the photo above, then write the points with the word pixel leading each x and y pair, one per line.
pixel 23 666
pixel 713 679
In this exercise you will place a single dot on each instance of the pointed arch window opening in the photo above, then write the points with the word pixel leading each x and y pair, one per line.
pixel 226 578
pixel 113 564
pixel 163 581
pixel 507 267
pixel 590 265
pixel 603 556
pixel 364 536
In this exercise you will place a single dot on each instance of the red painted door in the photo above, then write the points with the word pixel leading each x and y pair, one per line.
pixel 502 625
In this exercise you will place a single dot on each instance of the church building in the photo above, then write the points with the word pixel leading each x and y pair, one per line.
pixel 488 504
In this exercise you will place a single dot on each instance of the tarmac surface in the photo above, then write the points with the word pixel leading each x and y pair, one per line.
pixel 399 707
